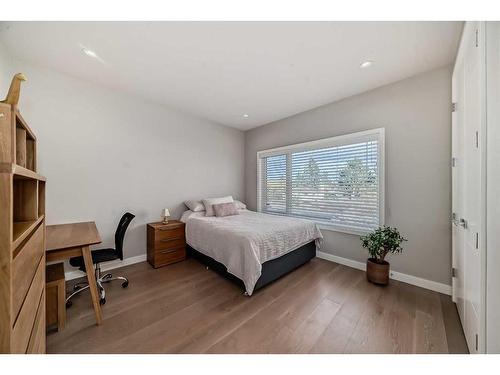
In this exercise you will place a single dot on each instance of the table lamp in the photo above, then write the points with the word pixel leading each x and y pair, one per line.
pixel 165 214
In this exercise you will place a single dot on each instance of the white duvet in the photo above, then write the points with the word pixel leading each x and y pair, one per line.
pixel 243 242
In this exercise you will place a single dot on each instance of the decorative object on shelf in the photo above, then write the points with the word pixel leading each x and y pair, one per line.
pixel 165 215
pixel 14 89
pixel 380 242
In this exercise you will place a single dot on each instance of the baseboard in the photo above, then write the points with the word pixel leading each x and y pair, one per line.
pixel 108 266
pixel 409 279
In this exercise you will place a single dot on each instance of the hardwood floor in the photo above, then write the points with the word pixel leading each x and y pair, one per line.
pixel 321 307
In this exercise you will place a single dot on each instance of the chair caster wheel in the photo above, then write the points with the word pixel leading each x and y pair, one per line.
pixel 102 301
pixel 69 304
pixel 125 284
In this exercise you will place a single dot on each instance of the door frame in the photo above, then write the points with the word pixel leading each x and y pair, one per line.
pixel 454 143
pixel 493 182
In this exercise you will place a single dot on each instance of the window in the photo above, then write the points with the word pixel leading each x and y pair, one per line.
pixel 338 182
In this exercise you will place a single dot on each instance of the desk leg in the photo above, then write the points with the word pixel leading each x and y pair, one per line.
pixel 89 266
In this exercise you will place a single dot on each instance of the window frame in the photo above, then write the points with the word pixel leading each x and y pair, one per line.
pixel 340 140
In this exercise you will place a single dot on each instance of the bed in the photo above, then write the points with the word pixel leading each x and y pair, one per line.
pixel 251 248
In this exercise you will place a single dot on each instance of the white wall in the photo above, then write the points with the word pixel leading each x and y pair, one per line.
pixel 416 115
pixel 104 153
pixel 5 69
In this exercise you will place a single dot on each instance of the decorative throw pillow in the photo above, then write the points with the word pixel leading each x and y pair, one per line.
pixel 208 202
pixel 194 205
pixel 240 205
pixel 225 209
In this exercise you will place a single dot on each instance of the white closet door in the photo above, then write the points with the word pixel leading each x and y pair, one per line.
pixel 472 192
pixel 468 186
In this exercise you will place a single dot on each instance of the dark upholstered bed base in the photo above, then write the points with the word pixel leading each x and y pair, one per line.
pixel 271 270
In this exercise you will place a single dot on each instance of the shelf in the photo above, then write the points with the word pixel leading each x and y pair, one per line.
pixel 22 229
pixel 25 144
pixel 21 123
pixel 20 172
pixel 18 142
pixel 24 199
pixel 26 173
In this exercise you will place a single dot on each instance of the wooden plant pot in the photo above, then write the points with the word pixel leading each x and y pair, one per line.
pixel 377 273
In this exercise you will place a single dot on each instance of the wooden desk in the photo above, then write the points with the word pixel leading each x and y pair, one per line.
pixel 72 240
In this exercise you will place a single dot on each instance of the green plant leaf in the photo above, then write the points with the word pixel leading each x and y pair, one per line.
pixel 382 241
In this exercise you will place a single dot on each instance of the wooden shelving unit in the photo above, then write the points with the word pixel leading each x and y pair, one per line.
pixel 22 229
pixel 22 238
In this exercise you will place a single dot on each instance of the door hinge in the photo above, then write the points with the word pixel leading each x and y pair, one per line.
pixel 453 107
pixel 477 342
pixel 477 38
pixel 453 162
pixel 477 240
pixel 477 139
pixel 453 272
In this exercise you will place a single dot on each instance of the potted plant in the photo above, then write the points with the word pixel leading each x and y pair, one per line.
pixel 380 242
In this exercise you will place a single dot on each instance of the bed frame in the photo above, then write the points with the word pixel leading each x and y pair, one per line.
pixel 271 270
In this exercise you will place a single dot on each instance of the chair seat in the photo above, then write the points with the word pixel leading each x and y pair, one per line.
pixel 98 256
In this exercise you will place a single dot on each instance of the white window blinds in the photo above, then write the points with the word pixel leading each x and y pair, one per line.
pixel 336 181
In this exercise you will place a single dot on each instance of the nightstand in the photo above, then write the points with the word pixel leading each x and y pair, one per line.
pixel 166 243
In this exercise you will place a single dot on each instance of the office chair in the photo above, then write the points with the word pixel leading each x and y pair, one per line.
pixel 101 256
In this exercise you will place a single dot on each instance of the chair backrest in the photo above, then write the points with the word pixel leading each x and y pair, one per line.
pixel 120 233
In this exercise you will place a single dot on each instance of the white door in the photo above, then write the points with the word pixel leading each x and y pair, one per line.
pixel 467 176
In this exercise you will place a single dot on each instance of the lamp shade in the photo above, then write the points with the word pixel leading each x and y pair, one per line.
pixel 166 212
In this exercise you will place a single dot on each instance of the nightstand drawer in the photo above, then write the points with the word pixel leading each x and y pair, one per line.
pixel 169 242
pixel 169 233
pixel 168 256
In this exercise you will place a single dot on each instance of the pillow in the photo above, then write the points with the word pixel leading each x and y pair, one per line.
pixel 225 209
pixel 195 206
pixel 190 214
pixel 208 202
pixel 240 205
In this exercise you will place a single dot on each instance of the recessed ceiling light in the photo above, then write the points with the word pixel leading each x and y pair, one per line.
pixel 366 64
pixel 245 115
pixel 89 52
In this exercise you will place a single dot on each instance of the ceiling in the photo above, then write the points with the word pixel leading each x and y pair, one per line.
pixel 223 70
